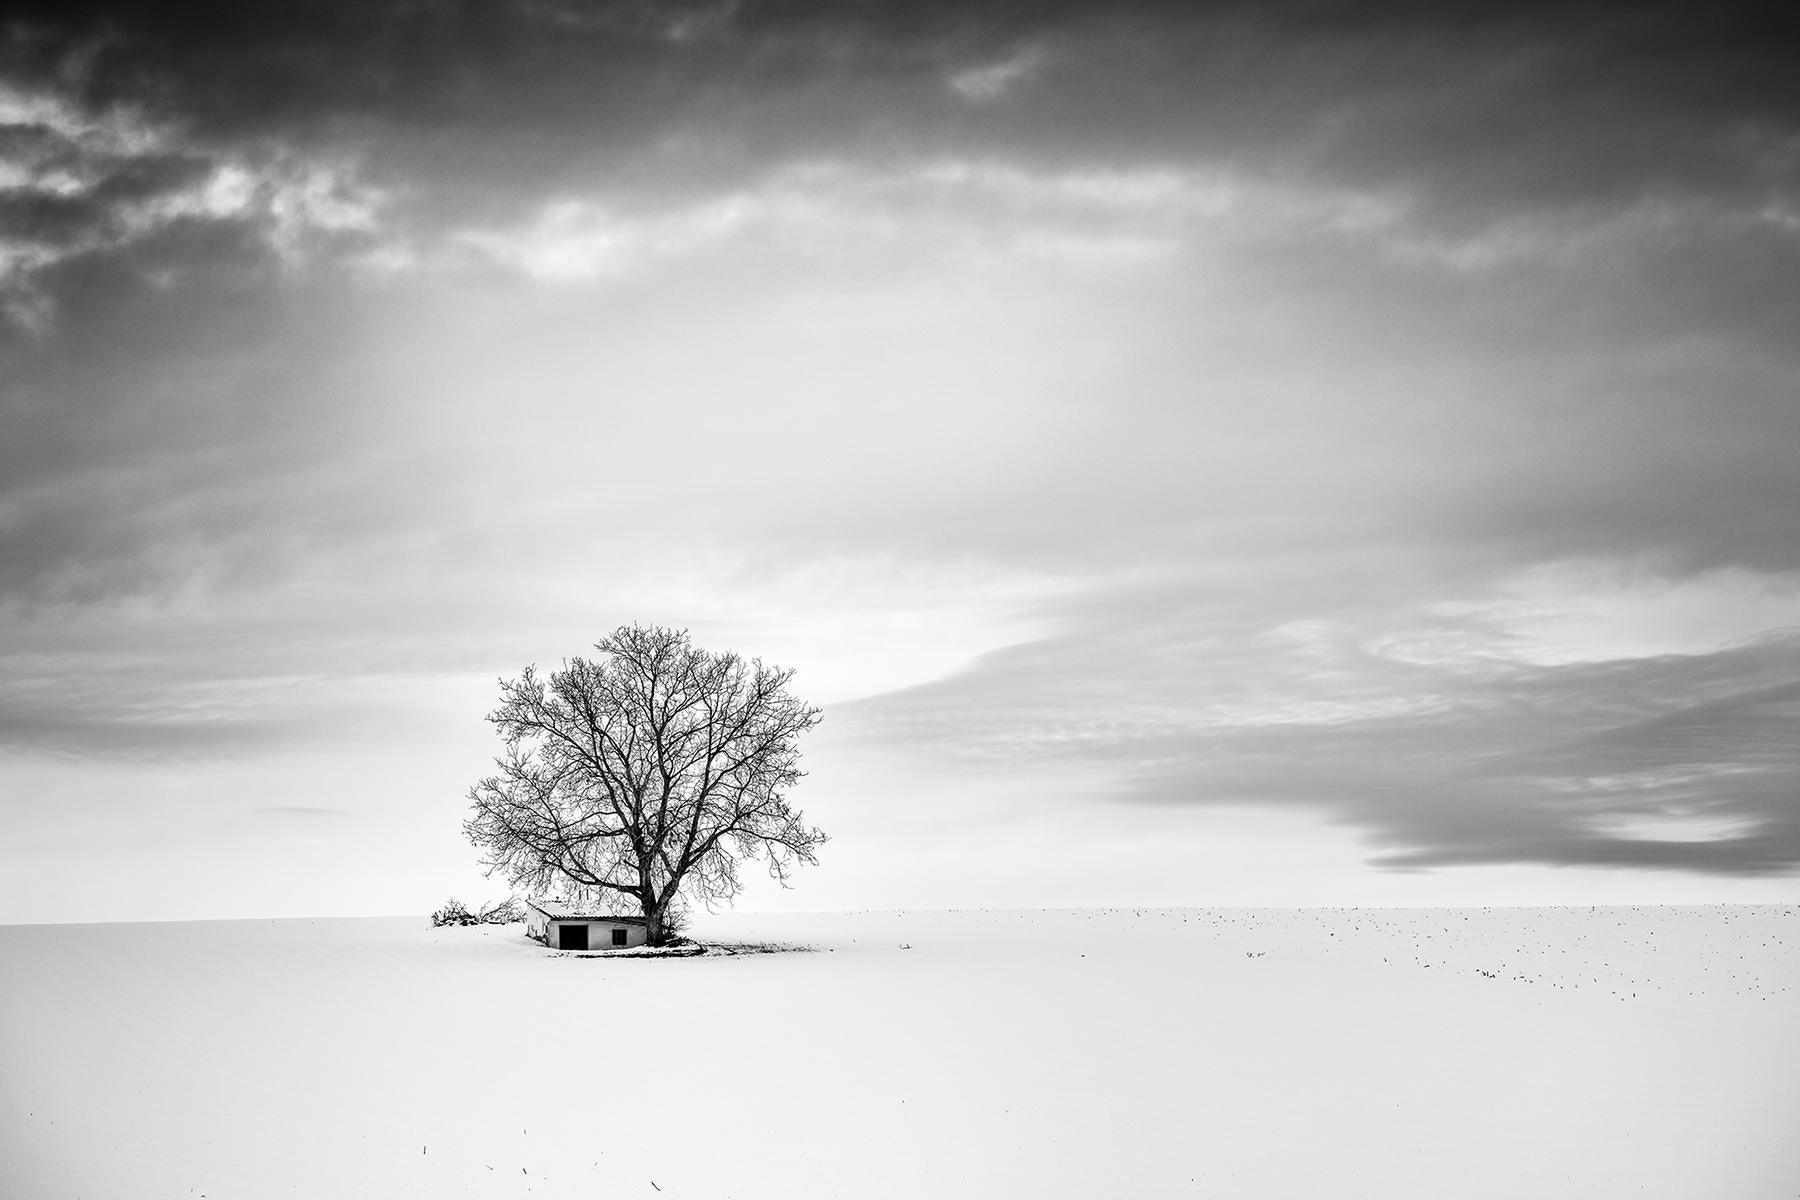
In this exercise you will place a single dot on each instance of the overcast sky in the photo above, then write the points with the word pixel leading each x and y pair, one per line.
pixel 1313 454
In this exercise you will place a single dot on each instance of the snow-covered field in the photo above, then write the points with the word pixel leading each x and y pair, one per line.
pixel 1642 1052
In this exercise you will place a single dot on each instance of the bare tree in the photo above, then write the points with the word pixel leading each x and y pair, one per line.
pixel 646 774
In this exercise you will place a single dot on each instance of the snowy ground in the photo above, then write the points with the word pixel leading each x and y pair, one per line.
pixel 1643 1052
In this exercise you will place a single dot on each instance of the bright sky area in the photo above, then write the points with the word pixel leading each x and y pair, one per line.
pixel 1231 457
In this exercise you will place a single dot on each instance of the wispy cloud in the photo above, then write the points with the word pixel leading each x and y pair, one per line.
pixel 304 812
pixel 991 80
pixel 572 240
pixel 1676 761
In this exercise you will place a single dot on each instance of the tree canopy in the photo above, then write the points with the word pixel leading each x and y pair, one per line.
pixel 646 774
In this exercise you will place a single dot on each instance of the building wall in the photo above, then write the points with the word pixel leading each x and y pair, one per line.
pixel 599 932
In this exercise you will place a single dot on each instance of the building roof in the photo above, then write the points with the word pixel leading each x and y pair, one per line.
pixel 563 910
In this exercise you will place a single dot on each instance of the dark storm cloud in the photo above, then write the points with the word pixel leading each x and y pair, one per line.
pixel 1680 761
pixel 101 209
pixel 1492 106
pixel 1521 121
pixel 152 215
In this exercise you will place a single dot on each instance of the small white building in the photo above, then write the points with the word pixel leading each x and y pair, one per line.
pixel 563 926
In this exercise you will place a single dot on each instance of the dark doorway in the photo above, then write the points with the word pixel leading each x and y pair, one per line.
pixel 571 937
pixel 618 937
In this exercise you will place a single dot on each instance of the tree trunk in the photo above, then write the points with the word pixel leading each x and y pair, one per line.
pixel 653 920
